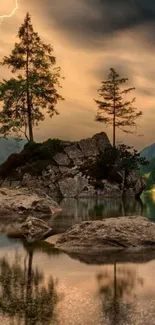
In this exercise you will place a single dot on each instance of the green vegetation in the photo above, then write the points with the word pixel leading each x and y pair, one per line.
pixel 148 172
pixel 44 150
pixel 116 162
pixel 33 159
pixel 34 90
pixel 114 109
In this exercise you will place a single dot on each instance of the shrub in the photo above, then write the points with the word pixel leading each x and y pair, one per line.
pixel 34 158
pixel 113 161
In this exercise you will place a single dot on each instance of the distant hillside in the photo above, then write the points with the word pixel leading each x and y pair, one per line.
pixel 148 172
pixel 148 152
pixel 9 146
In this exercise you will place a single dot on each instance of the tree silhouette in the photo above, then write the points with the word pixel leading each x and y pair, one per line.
pixel 34 89
pixel 114 109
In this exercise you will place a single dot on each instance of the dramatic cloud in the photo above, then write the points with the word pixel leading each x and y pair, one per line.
pixel 89 37
pixel 89 22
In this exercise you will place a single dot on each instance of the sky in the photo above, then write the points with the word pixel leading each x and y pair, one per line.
pixel 89 37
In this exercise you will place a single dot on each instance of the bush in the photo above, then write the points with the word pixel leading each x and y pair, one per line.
pixel 113 161
pixel 34 158
pixel 44 150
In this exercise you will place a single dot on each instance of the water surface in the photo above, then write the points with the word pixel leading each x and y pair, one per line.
pixel 40 285
pixel 75 211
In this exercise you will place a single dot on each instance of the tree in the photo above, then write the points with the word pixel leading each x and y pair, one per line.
pixel 113 161
pixel 34 89
pixel 114 109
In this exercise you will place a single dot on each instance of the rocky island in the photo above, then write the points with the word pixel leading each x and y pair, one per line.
pixel 64 169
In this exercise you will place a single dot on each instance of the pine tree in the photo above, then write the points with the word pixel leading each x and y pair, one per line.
pixel 114 109
pixel 32 91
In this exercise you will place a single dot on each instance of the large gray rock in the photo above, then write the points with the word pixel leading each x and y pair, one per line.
pixel 73 152
pixel 134 185
pixel 62 159
pixel 88 147
pixel 72 187
pixel 18 204
pixel 102 141
pixel 95 237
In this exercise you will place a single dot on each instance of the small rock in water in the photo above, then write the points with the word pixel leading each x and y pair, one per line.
pixel 34 229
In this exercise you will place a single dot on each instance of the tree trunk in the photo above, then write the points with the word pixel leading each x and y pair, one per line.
pixel 114 129
pixel 29 112
pixel 114 115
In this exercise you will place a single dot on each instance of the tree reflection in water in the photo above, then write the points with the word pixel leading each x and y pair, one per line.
pixel 117 294
pixel 77 210
pixel 24 296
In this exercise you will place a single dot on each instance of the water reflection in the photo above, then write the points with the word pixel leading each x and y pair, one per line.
pixel 117 294
pixel 25 297
pixel 112 293
pixel 77 210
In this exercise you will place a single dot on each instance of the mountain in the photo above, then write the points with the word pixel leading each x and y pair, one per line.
pixel 9 146
pixel 148 152
pixel 148 172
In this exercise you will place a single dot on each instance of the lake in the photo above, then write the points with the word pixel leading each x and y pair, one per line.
pixel 41 286
pixel 75 211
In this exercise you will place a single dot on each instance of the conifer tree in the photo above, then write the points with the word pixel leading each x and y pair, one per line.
pixel 34 90
pixel 114 109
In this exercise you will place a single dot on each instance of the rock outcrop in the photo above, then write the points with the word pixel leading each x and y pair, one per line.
pixel 113 234
pixel 134 186
pixel 64 173
pixel 18 204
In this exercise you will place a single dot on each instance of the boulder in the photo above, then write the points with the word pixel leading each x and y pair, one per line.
pixel 88 147
pixel 134 185
pixel 62 159
pixel 73 152
pixel 73 186
pixel 34 229
pixel 102 141
pixel 18 204
pixel 113 234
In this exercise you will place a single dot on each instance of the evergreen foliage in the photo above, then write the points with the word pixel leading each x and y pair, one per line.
pixel 113 108
pixel 34 158
pixel 114 161
pixel 34 90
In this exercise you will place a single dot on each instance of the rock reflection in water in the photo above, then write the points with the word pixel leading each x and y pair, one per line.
pixel 117 293
pixel 78 210
pixel 25 297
